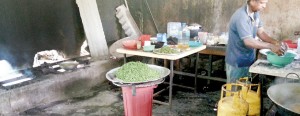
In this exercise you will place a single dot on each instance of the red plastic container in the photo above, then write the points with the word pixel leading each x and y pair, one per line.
pixel 291 44
pixel 130 44
pixel 144 38
pixel 139 104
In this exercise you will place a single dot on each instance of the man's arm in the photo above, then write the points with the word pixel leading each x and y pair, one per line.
pixel 267 43
pixel 253 43
pixel 265 37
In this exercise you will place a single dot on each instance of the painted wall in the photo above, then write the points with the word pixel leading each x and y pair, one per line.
pixel 281 18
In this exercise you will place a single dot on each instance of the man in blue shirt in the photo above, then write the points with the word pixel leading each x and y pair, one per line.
pixel 245 25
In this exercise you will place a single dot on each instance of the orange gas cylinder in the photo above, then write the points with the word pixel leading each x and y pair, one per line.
pixel 231 102
pixel 251 95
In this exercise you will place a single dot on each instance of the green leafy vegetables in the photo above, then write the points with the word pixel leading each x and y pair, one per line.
pixel 136 72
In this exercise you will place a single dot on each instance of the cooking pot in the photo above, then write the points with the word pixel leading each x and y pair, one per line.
pixel 286 97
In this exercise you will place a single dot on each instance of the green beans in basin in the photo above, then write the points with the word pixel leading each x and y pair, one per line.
pixel 136 72
pixel 167 50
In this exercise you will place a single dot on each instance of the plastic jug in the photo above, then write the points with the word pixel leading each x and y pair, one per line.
pixel 173 29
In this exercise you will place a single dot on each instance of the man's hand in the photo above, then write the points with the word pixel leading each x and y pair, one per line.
pixel 284 47
pixel 278 49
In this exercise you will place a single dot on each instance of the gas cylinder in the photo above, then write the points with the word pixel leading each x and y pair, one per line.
pixel 252 95
pixel 231 103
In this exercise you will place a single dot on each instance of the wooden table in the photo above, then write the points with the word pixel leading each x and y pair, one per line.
pixel 172 58
pixel 213 51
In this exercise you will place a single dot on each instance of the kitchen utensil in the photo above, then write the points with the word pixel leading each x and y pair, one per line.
pixel 266 51
pixel 158 44
pixel 290 44
pixel 116 45
pixel 286 97
pixel 194 44
pixel 144 38
pixel 194 29
pixel 130 44
pixel 280 61
pixel 148 48
pixel 110 75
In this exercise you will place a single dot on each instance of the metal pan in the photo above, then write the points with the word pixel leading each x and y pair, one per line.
pixel 110 75
pixel 286 96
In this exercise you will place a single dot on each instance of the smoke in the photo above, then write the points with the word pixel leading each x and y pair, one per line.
pixel 5 68
pixel 5 54
pixel 284 92
pixel 9 76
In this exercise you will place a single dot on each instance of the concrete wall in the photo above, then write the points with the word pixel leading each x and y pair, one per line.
pixel 30 26
pixel 280 17
pixel 55 87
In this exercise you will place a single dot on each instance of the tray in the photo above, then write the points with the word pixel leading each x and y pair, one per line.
pixel 110 75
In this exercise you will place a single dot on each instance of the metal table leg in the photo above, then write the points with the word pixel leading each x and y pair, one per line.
pixel 261 80
pixel 124 58
pixel 171 83
pixel 209 68
pixel 196 72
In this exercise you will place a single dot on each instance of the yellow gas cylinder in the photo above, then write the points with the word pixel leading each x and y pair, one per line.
pixel 252 95
pixel 231 103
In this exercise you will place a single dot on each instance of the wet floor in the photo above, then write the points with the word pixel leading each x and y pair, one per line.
pixel 106 100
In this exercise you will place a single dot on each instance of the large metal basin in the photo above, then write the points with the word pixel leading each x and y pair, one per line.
pixel 287 98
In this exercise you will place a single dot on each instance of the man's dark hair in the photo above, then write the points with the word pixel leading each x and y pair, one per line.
pixel 248 1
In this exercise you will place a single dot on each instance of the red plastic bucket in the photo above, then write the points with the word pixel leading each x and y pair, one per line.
pixel 139 104
pixel 144 38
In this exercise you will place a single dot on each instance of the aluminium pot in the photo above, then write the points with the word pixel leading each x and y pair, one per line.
pixel 286 97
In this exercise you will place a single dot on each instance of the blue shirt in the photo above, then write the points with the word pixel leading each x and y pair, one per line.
pixel 241 26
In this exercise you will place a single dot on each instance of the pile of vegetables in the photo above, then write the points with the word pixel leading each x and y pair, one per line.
pixel 167 50
pixel 136 72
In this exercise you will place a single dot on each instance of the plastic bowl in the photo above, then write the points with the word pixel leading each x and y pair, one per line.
pixel 290 43
pixel 194 44
pixel 158 44
pixel 130 44
pixel 280 61
pixel 148 48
